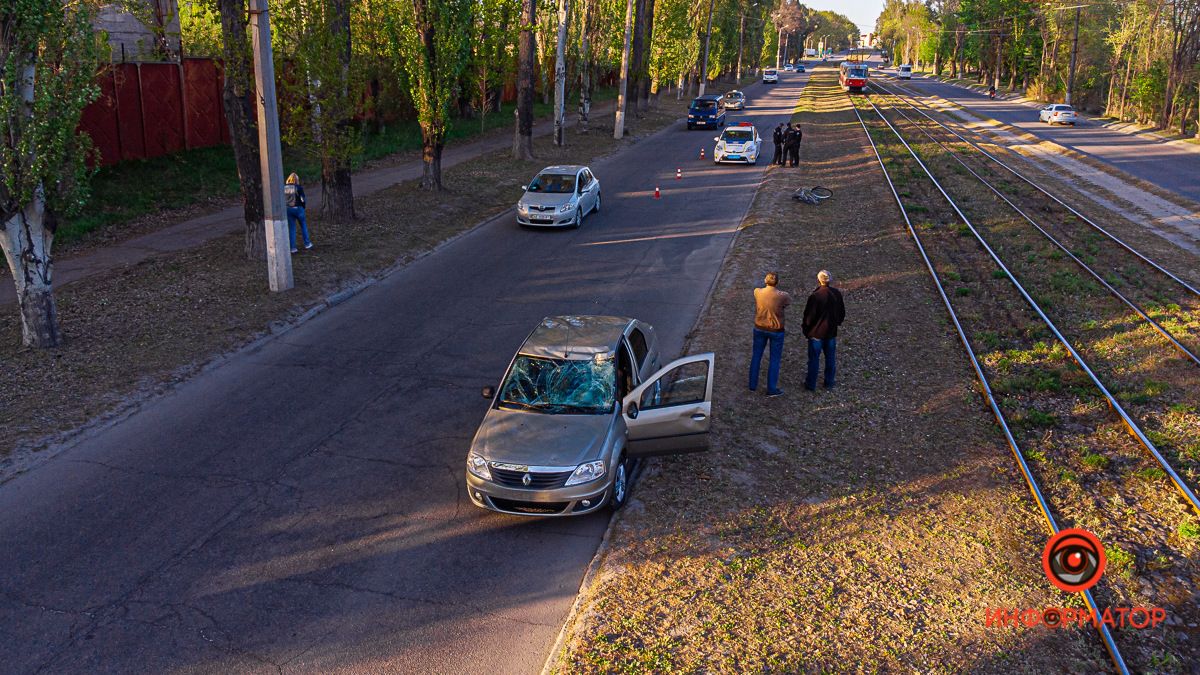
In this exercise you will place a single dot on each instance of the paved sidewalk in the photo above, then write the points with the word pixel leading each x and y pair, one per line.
pixel 198 231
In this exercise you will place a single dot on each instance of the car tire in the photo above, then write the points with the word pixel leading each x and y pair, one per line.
pixel 596 208
pixel 619 493
pixel 578 219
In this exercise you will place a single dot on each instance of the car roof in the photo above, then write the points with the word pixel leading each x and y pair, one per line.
pixel 574 336
pixel 708 97
pixel 563 168
pixel 734 91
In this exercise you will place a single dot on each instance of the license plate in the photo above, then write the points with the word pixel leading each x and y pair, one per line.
pixel 735 157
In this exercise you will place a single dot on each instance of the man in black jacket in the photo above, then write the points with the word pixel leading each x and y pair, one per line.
pixel 778 139
pixel 823 313
pixel 793 149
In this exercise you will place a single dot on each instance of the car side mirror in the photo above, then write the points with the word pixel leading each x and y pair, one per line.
pixel 717 138
pixel 632 410
pixel 524 188
pixel 489 393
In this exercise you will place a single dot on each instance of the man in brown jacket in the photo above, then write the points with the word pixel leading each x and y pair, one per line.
pixel 823 313
pixel 769 306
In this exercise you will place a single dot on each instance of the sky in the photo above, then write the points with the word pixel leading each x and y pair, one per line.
pixel 861 12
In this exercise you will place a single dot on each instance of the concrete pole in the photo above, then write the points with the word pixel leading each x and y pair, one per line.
pixel 619 126
pixel 1074 55
pixel 707 38
pixel 778 49
pixel 279 256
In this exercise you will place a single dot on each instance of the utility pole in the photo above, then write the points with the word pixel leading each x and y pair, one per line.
pixel 619 127
pixel 1074 56
pixel 707 37
pixel 279 256
pixel 778 49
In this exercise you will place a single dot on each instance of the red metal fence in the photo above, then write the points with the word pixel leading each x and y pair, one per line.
pixel 152 109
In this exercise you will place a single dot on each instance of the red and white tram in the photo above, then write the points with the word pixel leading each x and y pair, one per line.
pixel 853 76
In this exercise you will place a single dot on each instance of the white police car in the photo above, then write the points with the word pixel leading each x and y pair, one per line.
pixel 738 143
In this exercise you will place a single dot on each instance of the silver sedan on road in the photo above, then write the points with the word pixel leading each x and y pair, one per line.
pixel 559 196
pixel 582 399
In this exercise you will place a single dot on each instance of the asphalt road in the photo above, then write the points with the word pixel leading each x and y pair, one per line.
pixel 302 507
pixel 1164 164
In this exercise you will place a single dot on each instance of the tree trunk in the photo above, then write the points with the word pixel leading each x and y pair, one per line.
pixel 523 144
pixel 238 99
pixel 431 157
pixel 636 57
pixel 644 83
pixel 337 196
pixel 560 75
pixel 585 69
pixel 26 240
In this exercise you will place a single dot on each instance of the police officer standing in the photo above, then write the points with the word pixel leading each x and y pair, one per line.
pixel 778 139
pixel 793 144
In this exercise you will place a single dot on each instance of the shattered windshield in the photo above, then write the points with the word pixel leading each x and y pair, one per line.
pixel 553 183
pixel 559 385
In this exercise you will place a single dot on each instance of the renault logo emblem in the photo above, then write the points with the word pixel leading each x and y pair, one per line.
pixel 526 479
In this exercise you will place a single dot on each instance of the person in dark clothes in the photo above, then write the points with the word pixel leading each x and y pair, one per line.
pixel 293 196
pixel 788 138
pixel 823 313
pixel 794 148
pixel 769 305
pixel 777 137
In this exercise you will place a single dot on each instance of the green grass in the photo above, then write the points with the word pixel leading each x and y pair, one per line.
pixel 1189 530
pixel 1152 473
pixel 134 188
pixel 1120 561
pixel 1095 462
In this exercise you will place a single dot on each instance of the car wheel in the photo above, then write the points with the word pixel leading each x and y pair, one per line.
pixel 620 487
pixel 596 208
pixel 578 219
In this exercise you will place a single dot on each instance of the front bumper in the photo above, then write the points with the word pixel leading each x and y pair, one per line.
pixel 559 502
pixel 734 157
pixel 546 219
pixel 704 122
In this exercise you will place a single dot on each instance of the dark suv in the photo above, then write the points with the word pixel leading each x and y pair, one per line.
pixel 706 111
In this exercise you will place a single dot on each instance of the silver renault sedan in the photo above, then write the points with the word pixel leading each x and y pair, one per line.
pixel 583 399
pixel 559 196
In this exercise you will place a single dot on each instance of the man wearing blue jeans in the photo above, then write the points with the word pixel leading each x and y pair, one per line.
pixel 823 313
pixel 769 305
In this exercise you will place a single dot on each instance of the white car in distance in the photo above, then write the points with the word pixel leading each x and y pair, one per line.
pixel 905 72
pixel 1057 113
pixel 770 76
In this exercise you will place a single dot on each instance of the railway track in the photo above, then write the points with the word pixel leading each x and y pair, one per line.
pixel 1176 381
pixel 1043 396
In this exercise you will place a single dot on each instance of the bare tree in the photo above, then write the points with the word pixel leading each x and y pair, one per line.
pixel 238 99
pixel 560 74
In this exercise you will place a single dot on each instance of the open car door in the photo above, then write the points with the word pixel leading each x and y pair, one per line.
pixel 670 412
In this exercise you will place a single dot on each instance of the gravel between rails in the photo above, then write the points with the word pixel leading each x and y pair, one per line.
pixel 865 528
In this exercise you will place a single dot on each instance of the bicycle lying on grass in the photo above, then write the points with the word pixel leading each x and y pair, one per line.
pixel 812 195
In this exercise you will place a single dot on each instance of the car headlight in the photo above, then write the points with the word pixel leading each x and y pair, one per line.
pixel 478 466
pixel 587 472
pixel 691 117
pixel 566 207
pixel 522 208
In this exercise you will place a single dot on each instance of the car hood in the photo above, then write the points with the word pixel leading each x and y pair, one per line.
pixel 546 199
pixel 518 437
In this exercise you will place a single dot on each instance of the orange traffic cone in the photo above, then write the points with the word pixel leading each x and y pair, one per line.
pixel 678 174
pixel 657 194
pixel 701 153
